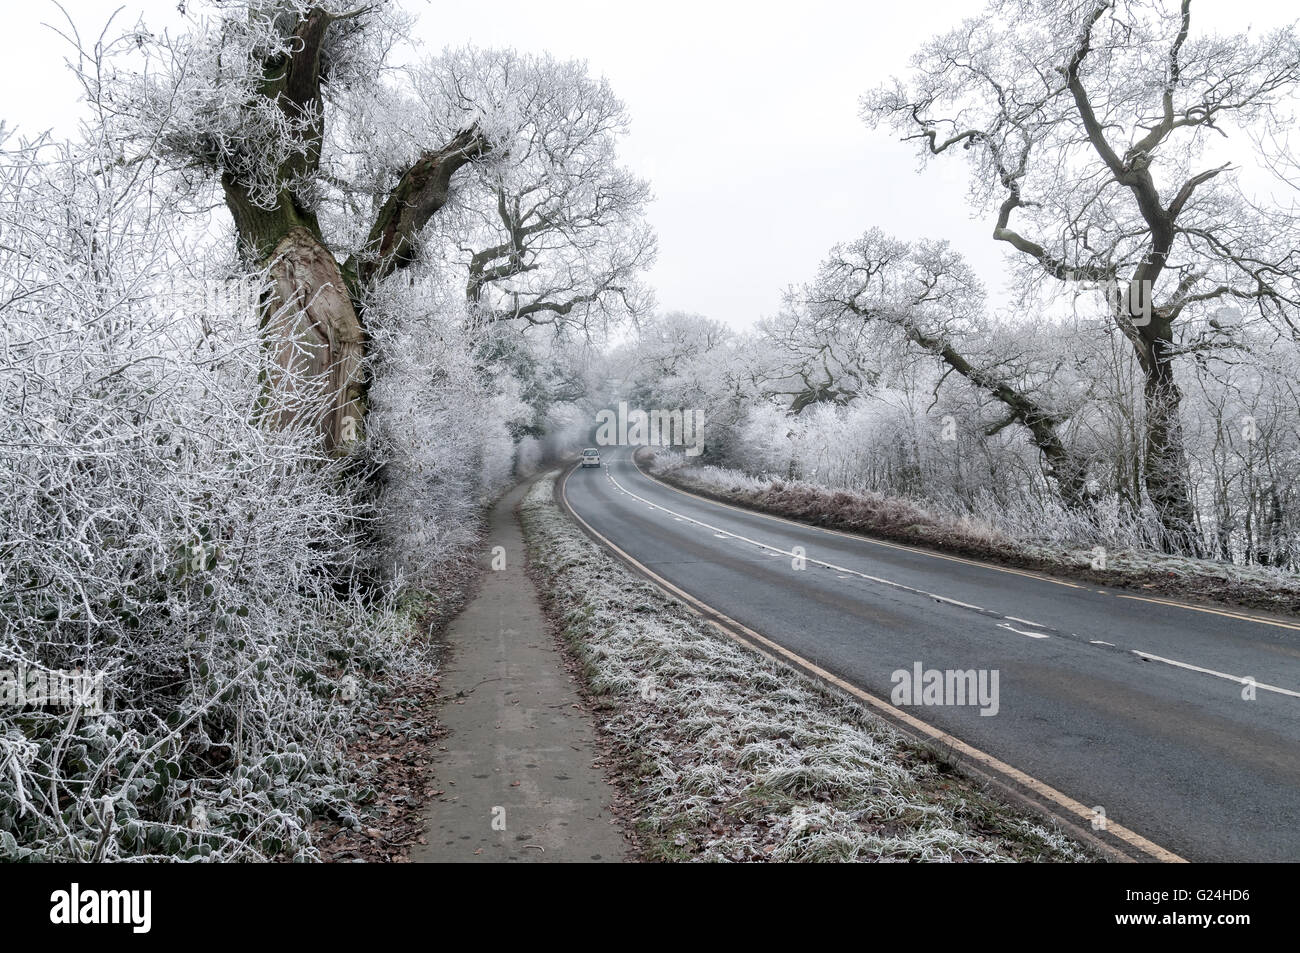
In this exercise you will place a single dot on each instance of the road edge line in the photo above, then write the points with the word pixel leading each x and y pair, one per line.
pixel 1225 611
pixel 1005 777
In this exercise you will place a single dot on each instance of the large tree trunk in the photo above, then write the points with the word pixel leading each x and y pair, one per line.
pixel 1166 459
pixel 311 320
pixel 316 341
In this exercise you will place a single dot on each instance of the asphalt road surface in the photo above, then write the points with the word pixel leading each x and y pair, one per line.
pixel 1122 701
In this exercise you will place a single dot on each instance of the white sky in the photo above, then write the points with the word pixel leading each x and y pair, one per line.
pixel 744 119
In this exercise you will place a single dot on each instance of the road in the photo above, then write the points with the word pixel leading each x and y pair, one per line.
pixel 1118 700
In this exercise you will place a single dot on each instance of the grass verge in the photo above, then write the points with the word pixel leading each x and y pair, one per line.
pixel 897 520
pixel 728 756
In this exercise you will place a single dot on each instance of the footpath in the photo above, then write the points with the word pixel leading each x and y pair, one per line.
pixel 516 770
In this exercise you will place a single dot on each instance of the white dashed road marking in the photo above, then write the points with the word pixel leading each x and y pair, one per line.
pixel 771 550
pixel 1239 679
pixel 1032 635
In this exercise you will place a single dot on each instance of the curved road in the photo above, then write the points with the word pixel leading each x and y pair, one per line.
pixel 1119 700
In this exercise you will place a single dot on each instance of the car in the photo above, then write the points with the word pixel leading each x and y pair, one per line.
pixel 591 457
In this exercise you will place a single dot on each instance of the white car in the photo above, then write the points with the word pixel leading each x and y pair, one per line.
pixel 591 457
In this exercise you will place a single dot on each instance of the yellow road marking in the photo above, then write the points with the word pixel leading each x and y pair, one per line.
pixel 1066 803
pixel 1227 614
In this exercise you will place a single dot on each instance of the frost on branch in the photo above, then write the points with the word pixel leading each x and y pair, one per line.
pixel 156 534
pixel 439 432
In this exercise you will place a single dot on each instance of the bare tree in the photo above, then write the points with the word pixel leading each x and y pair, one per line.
pixel 333 172
pixel 928 293
pixel 1087 122
pixel 557 233
pixel 810 364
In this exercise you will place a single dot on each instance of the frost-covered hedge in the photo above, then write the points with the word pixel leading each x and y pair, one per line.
pixel 202 571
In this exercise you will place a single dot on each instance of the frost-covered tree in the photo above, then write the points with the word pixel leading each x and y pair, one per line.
pixel 679 360
pixel 810 361
pixel 928 294
pixel 556 233
pixel 333 167
pixel 1089 126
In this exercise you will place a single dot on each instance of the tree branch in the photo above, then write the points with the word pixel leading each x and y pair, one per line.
pixel 420 193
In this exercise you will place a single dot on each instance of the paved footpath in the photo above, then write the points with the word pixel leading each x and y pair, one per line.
pixel 516 768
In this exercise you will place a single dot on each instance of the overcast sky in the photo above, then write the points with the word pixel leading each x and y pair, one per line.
pixel 745 119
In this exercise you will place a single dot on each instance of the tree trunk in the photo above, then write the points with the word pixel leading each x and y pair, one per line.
pixel 1166 460
pixel 316 341
pixel 309 319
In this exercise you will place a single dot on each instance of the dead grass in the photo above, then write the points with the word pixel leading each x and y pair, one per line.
pixel 903 521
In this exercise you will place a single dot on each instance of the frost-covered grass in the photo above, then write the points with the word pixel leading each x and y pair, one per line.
pixel 733 757
pixel 906 521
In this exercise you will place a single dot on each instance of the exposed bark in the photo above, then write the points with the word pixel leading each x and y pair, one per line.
pixel 312 330
pixel 1166 459
pixel 310 320
pixel 420 193
pixel 312 313
pixel 508 255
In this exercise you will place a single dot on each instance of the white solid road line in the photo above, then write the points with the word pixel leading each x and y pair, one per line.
pixel 955 602
pixel 746 636
pixel 778 551
pixel 1239 679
